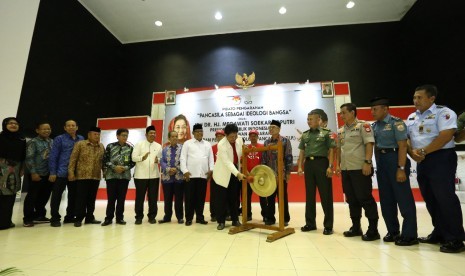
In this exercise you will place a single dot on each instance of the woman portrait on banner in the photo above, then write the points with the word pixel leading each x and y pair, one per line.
pixel 180 124
pixel 12 155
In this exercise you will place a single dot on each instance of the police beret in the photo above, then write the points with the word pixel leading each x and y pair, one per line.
pixel 379 101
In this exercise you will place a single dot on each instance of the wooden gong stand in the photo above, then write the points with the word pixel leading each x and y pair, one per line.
pixel 280 230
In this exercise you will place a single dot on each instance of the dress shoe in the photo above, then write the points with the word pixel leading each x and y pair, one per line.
pixel 69 220
pixel 202 221
pixel 431 239
pixel 269 222
pixel 55 223
pixel 390 237
pixel 213 219
pixel 12 225
pixel 236 223
pixel 286 223
pixel 120 222
pixel 328 231
pixel 180 221
pixel 220 226
pixel 77 224
pixel 94 221
pixel 164 221
pixel 353 232
pixel 189 223
pixel 402 241
pixel 371 235
pixel 452 247
pixel 249 218
pixel 106 222
pixel 28 224
pixel 138 221
pixel 307 228
pixel 152 221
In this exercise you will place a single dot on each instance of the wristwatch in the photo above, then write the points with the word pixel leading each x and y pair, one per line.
pixel 401 167
pixel 368 162
pixel 423 152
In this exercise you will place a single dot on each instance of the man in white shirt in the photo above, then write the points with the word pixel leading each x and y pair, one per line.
pixel 146 154
pixel 196 165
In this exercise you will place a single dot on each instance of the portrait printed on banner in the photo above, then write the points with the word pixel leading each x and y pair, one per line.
pixel 170 97
pixel 327 89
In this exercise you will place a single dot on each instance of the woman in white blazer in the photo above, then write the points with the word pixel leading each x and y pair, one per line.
pixel 227 175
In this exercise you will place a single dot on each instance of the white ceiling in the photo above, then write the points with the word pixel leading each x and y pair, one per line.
pixel 133 20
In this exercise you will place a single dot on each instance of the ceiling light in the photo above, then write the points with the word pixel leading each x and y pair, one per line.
pixel 158 23
pixel 350 4
pixel 282 10
pixel 218 16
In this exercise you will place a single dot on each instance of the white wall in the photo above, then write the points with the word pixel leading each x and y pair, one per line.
pixel 17 20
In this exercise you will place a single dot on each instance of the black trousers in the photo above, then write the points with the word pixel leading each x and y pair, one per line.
pixel 116 193
pixel 37 197
pixel 58 188
pixel 147 187
pixel 213 192
pixel 196 190
pixel 226 198
pixel 6 210
pixel 358 190
pixel 315 176
pixel 436 178
pixel 86 194
pixel 269 205
pixel 393 195
pixel 249 198
pixel 175 189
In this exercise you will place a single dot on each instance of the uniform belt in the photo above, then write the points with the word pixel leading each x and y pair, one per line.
pixel 387 150
pixel 314 157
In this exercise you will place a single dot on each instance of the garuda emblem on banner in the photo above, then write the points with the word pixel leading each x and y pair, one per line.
pixel 245 81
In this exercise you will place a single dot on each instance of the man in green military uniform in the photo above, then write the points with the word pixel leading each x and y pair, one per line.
pixel 315 148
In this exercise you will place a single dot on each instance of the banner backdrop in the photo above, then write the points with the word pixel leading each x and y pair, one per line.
pixel 251 108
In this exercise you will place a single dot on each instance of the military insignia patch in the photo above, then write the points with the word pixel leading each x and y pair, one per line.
pixel 367 127
pixel 400 127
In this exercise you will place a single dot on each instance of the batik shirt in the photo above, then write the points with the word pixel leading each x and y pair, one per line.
pixel 170 158
pixel 117 155
pixel 37 153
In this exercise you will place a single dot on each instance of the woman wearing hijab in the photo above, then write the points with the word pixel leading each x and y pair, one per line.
pixel 12 155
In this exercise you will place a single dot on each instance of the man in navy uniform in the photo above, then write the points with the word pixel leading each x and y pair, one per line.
pixel 393 170
pixel 431 130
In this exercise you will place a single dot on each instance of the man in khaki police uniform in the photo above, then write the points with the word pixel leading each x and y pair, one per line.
pixel 315 147
pixel 355 151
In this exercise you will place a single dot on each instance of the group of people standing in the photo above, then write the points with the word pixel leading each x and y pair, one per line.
pixel 185 167
pixel 427 137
